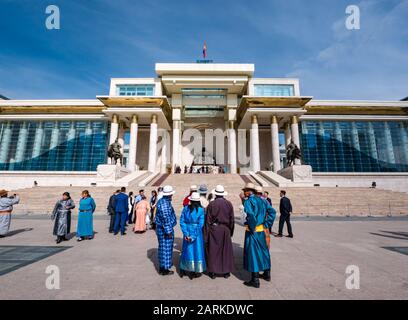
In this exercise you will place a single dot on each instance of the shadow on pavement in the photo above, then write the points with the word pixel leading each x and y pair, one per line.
pixel 392 234
pixel 14 232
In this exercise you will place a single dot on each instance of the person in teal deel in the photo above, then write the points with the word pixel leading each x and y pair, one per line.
pixel 85 217
pixel 259 216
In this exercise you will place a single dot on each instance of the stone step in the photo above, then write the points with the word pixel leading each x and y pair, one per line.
pixel 306 201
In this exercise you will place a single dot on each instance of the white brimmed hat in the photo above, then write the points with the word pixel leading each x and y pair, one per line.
pixel 258 189
pixel 168 191
pixel 219 191
pixel 195 196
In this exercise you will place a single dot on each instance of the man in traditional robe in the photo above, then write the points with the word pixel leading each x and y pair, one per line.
pixel 256 252
pixel 165 221
pixel 6 207
pixel 218 231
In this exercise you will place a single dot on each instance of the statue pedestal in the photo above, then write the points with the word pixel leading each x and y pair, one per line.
pixel 300 175
pixel 108 174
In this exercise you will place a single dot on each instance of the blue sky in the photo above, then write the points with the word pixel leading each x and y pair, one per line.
pixel 100 39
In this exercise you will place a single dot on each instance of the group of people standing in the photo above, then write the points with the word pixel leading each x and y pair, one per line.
pixel 129 209
pixel 206 221
pixel 207 224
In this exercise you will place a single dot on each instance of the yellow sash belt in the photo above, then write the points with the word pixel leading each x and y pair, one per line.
pixel 259 228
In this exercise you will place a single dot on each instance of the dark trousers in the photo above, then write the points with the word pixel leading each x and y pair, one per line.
pixel 112 222
pixel 130 219
pixel 120 220
pixel 282 219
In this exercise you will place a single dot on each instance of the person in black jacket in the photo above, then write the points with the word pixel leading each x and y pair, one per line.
pixel 111 210
pixel 285 209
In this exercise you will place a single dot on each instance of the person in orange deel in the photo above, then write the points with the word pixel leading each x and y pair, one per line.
pixel 142 208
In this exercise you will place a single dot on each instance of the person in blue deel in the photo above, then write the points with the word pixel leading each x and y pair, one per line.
pixel 85 217
pixel 121 210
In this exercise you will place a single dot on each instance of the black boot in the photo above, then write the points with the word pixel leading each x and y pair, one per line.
pixel 182 273
pixel 254 282
pixel 266 275
pixel 59 239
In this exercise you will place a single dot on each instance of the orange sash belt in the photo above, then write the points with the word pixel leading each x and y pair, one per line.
pixel 5 212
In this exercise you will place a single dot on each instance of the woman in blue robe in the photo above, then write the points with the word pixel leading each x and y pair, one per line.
pixel 85 217
pixel 192 259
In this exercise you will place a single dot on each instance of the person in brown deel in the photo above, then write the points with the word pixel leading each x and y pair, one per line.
pixel 218 231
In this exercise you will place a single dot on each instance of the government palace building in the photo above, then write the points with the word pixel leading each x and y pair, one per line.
pixel 204 117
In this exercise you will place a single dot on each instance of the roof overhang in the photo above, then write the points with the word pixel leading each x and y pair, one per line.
pixel 357 107
pixel 51 106
pixel 286 102
pixel 242 69
pixel 232 84
pixel 134 101
pixel 264 116
pixel 265 107
pixel 144 107
pixel 144 115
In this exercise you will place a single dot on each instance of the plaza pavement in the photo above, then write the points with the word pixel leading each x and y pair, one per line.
pixel 310 266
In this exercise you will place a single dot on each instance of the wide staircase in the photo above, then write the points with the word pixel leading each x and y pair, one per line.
pixel 305 201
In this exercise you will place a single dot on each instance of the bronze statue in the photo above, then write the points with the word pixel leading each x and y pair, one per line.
pixel 292 153
pixel 114 152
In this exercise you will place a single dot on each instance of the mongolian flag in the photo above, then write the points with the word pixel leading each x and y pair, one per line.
pixel 205 50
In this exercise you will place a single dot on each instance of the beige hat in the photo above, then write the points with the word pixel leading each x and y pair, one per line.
pixel 168 191
pixel 258 189
pixel 195 196
pixel 3 192
pixel 193 188
pixel 249 186
pixel 220 191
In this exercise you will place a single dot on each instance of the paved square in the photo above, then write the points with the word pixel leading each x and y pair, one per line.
pixel 310 266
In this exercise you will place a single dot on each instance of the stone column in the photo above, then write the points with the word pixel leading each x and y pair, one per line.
pixel 164 152
pixel 232 147
pixel 21 143
pixel 121 135
pixel 176 144
pixel 275 144
pixel 288 134
pixel 131 165
pixel 255 159
pixel 153 144
pixel 114 131
pixel 5 143
pixel 294 129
